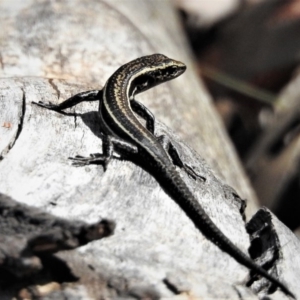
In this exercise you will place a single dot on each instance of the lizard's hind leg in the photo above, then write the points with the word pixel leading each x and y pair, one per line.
pixel 170 148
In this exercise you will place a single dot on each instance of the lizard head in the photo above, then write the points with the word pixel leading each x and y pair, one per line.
pixel 155 69
pixel 165 68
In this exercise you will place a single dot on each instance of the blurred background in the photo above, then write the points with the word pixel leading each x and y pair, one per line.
pixel 247 53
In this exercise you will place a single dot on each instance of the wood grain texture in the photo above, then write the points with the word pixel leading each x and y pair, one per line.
pixel 156 252
pixel 154 241
pixel 86 41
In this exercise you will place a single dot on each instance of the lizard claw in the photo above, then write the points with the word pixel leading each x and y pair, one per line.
pixel 80 161
pixel 190 171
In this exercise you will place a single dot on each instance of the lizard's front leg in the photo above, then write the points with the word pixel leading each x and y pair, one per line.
pixel 94 95
pixel 144 113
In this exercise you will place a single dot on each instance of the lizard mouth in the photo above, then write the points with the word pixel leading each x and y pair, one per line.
pixel 176 70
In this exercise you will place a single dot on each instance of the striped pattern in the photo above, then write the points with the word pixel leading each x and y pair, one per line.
pixel 115 110
pixel 155 69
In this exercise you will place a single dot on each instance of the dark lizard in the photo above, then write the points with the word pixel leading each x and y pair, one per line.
pixel 126 134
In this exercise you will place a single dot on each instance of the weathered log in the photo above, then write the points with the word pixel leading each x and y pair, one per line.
pixel 155 251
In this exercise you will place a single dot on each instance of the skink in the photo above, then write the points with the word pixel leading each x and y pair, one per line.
pixel 125 133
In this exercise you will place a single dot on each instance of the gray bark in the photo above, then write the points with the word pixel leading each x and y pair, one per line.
pixel 156 251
